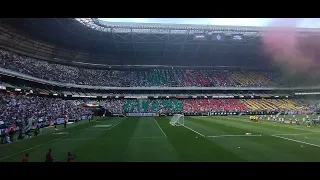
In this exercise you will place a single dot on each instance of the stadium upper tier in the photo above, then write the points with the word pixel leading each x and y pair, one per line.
pixel 137 78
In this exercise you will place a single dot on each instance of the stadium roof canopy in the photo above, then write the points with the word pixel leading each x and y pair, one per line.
pixel 95 41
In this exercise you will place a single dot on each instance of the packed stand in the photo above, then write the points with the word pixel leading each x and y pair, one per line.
pixel 312 104
pixel 273 105
pixel 22 107
pixel 213 105
pixel 182 106
pixel 252 79
pixel 209 105
pixel 135 78
pixel 153 106
pixel 115 106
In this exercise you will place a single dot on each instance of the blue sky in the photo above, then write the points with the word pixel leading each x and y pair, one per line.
pixel 259 22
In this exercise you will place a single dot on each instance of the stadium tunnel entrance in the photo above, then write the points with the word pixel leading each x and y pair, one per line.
pixel 97 109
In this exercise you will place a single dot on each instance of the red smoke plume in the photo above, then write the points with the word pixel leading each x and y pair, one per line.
pixel 286 46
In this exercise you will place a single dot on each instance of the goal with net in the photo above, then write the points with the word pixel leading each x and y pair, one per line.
pixel 177 120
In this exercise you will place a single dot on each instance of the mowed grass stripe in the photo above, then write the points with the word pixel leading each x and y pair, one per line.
pixel 212 128
pixel 264 148
pixel 247 126
pixel 146 127
pixel 251 148
pixel 312 138
pixel 145 149
pixel 141 139
pixel 266 128
pixel 111 145
pixel 282 127
pixel 190 148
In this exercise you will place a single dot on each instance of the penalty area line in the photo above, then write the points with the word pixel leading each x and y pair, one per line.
pixel 300 134
pixel 160 128
pixel 193 130
pixel 106 129
pixel 302 142
pixel 115 125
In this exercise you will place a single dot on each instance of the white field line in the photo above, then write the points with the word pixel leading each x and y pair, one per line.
pixel 160 128
pixel 295 134
pixel 193 130
pixel 41 134
pixel 115 125
pixel 48 142
pixel 313 131
pixel 232 135
pixel 103 129
pixel 227 135
pixel 307 130
pixel 40 145
pixel 302 142
pixel 269 124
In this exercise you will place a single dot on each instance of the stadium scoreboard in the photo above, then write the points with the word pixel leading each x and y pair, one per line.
pixel 217 37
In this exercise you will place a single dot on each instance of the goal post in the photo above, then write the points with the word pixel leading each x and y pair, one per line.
pixel 177 120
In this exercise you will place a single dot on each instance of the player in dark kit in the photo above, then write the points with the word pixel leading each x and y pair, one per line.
pixel 314 122
pixel 25 158
pixel 49 156
pixel 71 157
pixel 65 123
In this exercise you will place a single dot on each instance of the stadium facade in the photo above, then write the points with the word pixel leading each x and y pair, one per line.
pixel 146 68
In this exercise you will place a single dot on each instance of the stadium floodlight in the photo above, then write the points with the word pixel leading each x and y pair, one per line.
pixel 177 120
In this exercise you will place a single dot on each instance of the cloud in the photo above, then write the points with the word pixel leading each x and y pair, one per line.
pixel 240 21
pixel 140 20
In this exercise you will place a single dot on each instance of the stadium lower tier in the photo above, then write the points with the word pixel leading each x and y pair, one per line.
pixel 22 107
pixel 209 105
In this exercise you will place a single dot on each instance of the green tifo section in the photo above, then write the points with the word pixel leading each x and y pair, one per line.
pixel 147 105
pixel 153 139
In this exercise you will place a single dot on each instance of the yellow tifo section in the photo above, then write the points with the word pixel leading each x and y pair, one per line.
pixel 272 104
pixel 250 78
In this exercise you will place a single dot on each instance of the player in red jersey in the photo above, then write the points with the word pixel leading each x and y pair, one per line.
pixel 25 158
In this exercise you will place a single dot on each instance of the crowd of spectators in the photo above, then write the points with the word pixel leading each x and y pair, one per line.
pixel 16 107
pixel 135 78
pixel 115 106
pixel 209 105
pixel 200 105
pixel 311 104
pixel 275 104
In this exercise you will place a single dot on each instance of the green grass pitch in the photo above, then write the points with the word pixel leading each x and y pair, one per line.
pixel 153 139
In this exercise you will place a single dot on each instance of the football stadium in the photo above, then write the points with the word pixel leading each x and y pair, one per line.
pixel 90 90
